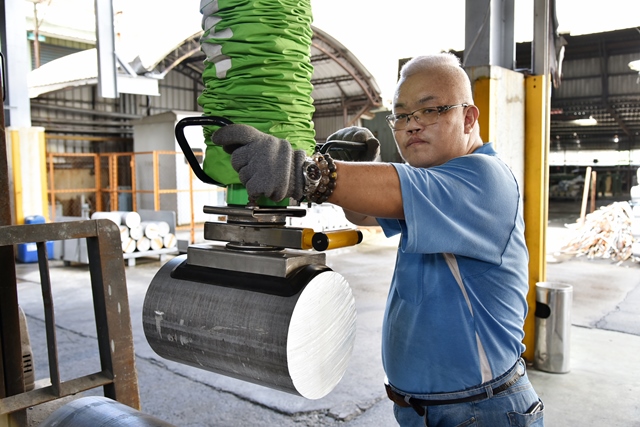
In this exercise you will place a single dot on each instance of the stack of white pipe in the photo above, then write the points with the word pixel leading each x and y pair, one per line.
pixel 138 235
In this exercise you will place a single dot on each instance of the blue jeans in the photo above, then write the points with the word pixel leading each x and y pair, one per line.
pixel 512 407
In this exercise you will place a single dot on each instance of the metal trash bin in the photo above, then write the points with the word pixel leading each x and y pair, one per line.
pixel 553 327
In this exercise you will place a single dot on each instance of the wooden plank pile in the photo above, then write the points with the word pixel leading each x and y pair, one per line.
pixel 137 235
pixel 605 233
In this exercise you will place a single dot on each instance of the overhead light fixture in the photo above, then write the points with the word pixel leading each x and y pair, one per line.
pixel 585 122
pixel 616 139
pixel 635 65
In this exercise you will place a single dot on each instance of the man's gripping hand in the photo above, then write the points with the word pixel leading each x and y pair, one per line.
pixel 359 134
pixel 265 164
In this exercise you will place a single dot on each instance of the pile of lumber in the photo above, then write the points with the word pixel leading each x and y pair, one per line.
pixel 605 233
pixel 137 235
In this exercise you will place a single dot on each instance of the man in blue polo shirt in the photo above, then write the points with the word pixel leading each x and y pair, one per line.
pixel 453 326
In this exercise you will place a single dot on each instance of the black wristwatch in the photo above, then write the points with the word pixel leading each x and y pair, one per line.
pixel 312 174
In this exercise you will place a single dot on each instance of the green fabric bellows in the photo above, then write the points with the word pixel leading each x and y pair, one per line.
pixel 258 72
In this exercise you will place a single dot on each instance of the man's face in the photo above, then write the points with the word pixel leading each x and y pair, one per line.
pixel 430 145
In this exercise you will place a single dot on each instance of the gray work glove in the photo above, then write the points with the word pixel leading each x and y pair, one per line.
pixel 265 164
pixel 358 134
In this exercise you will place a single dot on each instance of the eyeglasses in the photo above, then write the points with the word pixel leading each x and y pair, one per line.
pixel 425 116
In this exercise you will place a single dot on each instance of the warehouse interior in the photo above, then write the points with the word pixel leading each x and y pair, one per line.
pixel 96 155
pixel 594 104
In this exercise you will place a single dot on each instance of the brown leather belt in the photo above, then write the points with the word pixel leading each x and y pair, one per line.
pixel 419 404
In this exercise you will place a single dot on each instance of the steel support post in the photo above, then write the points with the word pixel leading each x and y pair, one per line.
pixel 536 194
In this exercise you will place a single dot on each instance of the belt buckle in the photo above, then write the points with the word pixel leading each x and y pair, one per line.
pixel 403 401
pixel 518 373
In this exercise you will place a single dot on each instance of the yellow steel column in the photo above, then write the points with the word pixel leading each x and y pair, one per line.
pixel 52 190
pixel 156 182
pixel 482 99
pixel 16 162
pixel 28 159
pixel 42 150
pixel 537 106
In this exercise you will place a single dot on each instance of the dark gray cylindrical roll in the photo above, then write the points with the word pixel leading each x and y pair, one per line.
pixel 225 323
pixel 99 411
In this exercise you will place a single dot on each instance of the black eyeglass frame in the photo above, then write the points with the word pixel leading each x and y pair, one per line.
pixel 392 119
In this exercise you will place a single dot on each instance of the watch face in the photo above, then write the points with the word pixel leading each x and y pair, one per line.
pixel 313 172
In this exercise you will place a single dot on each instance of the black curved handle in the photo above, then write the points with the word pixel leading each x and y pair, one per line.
pixel 335 144
pixel 186 149
pixel 343 150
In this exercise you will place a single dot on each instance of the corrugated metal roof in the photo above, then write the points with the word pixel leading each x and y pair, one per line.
pixel 77 69
pixel 596 82
pixel 80 69
pixel 339 76
pixel 342 85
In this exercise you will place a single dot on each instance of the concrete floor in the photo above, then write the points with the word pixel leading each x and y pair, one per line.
pixel 602 388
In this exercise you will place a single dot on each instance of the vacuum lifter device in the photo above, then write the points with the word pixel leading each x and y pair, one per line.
pixel 257 302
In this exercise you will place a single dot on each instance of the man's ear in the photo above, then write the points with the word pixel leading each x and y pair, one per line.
pixel 471 118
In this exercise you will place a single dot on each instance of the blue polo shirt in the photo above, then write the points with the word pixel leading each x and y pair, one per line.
pixel 433 335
